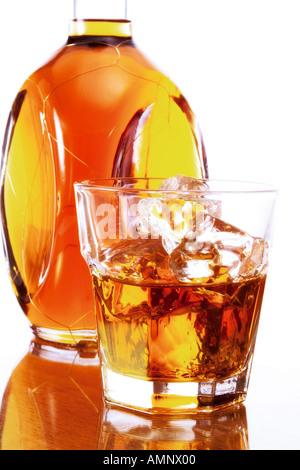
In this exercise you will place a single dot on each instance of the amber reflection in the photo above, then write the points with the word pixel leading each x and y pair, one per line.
pixel 53 401
pixel 222 430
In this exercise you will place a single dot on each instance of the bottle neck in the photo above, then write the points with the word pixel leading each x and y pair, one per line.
pixel 100 18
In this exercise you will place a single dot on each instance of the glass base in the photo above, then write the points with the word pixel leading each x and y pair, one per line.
pixel 174 397
pixel 67 338
pixel 56 353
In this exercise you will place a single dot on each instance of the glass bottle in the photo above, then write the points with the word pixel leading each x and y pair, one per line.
pixel 98 108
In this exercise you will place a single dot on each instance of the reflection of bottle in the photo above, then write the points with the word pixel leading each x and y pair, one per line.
pixel 98 108
pixel 53 401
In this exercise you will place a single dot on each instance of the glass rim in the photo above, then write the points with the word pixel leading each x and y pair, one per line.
pixel 227 186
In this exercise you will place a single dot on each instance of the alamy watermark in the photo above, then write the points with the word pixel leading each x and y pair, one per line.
pixel 147 219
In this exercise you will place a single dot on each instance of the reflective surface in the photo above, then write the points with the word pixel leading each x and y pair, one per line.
pixel 223 430
pixel 54 402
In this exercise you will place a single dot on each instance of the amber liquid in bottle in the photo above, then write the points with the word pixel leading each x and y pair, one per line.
pixel 98 108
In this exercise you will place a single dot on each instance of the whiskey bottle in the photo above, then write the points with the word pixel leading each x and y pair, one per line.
pixel 98 108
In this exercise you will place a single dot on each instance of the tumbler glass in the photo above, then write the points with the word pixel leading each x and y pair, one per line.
pixel 178 268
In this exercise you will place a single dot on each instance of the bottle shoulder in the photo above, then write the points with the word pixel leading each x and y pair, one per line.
pixel 96 74
pixel 81 59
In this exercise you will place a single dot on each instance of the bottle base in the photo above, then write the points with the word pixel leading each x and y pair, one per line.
pixel 174 397
pixel 66 339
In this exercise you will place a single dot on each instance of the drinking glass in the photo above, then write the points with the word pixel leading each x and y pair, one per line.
pixel 178 268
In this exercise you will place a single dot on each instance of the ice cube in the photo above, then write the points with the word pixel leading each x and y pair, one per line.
pixel 257 261
pixel 172 216
pixel 179 236
pixel 135 261
pixel 217 252
pixel 187 183
pixel 170 219
pixel 183 183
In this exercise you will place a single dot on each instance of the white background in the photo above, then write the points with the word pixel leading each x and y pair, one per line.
pixel 238 63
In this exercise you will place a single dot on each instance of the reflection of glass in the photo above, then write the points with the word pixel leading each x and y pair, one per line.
pixel 98 108
pixel 223 430
pixel 53 401
pixel 178 286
